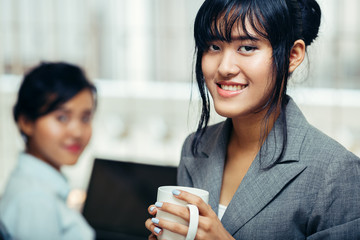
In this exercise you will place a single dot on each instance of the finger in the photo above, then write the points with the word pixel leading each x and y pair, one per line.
pixel 193 199
pixel 152 237
pixel 156 230
pixel 174 209
pixel 152 210
pixel 171 226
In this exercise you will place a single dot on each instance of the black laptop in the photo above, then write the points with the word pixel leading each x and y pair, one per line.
pixel 119 194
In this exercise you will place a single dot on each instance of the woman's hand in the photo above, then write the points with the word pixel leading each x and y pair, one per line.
pixel 209 227
pixel 155 231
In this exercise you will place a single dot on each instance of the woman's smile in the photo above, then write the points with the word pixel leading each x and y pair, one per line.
pixel 74 148
pixel 230 89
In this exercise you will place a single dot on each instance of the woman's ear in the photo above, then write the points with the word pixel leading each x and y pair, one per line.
pixel 297 55
pixel 26 126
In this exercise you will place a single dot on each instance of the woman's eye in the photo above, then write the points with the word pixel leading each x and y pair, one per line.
pixel 247 49
pixel 86 119
pixel 214 47
pixel 62 118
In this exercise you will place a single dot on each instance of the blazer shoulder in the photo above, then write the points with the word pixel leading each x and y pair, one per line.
pixel 318 145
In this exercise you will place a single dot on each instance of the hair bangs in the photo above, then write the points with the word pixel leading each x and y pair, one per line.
pixel 219 20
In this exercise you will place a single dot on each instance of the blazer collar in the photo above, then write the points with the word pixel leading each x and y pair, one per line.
pixel 259 186
pixel 217 139
pixel 296 126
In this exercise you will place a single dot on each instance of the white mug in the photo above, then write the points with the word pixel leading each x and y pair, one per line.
pixel 165 194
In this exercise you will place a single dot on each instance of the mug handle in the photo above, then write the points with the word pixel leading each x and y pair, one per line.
pixel 194 221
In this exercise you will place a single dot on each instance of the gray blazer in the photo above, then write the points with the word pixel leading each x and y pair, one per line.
pixel 313 193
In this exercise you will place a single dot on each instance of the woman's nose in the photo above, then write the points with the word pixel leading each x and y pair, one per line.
pixel 228 66
pixel 76 129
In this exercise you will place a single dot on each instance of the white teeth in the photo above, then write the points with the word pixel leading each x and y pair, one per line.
pixel 233 87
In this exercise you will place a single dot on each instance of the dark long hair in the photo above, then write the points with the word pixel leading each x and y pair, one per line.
pixel 282 22
pixel 47 86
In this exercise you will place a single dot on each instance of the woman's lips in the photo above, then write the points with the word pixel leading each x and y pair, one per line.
pixel 230 89
pixel 74 148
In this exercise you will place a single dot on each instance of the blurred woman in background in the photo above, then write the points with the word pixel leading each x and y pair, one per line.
pixel 54 112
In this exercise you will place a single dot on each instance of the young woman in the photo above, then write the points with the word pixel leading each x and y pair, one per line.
pixel 270 174
pixel 54 111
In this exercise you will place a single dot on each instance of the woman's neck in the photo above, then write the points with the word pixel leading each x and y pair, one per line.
pixel 250 132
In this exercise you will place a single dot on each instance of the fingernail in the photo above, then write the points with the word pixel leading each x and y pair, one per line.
pixel 155 220
pixel 152 209
pixel 157 230
pixel 159 204
pixel 176 192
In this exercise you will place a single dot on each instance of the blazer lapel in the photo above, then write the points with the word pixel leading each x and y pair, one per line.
pixel 256 190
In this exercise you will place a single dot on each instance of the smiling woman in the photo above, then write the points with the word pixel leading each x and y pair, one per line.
pixel 54 113
pixel 269 173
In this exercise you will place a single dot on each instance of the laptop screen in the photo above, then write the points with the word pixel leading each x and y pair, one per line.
pixel 119 194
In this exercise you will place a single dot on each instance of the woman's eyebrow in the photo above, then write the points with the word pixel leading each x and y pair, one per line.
pixel 88 111
pixel 62 109
pixel 236 38
pixel 245 38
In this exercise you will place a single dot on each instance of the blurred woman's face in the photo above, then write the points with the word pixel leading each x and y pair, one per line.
pixel 239 73
pixel 59 137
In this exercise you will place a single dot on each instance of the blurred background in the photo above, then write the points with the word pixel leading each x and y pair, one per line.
pixel 139 53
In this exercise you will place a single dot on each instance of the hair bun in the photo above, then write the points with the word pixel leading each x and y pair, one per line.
pixel 311 17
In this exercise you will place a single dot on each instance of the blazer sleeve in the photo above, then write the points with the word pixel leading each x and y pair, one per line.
pixel 183 176
pixel 336 213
